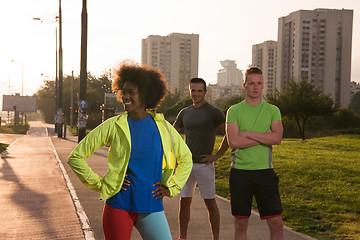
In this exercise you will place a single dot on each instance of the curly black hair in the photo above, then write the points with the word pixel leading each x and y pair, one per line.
pixel 151 82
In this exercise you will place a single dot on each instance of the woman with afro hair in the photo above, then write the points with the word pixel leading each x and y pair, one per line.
pixel 147 158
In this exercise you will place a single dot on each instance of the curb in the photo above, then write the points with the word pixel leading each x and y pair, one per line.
pixel 84 220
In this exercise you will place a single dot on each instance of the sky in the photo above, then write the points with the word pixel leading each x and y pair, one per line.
pixel 227 29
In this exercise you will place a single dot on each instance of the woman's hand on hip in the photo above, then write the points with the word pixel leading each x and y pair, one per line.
pixel 160 191
pixel 125 183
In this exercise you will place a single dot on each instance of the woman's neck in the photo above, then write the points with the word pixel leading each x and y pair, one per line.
pixel 138 114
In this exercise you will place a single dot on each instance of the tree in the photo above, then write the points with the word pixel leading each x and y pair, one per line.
pixel 174 110
pixel 345 118
pixel 95 97
pixel 170 100
pixel 300 101
pixel 45 101
pixel 224 105
pixel 96 89
pixel 355 102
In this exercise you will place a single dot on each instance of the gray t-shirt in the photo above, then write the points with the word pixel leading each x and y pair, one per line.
pixel 200 125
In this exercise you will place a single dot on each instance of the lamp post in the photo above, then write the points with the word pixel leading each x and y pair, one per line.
pixel 83 74
pixel 56 21
pixel 60 88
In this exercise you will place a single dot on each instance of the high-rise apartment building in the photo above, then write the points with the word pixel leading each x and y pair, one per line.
pixel 316 45
pixel 264 57
pixel 230 75
pixel 176 55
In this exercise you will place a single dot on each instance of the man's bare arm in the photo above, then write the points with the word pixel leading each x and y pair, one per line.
pixel 272 137
pixel 235 139
pixel 222 149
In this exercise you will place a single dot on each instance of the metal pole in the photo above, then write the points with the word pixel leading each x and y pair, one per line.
pixel 9 85
pixel 72 100
pixel 60 97
pixel 22 88
pixel 65 123
pixel 56 77
pixel 22 78
pixel 56 92
pixel 83 73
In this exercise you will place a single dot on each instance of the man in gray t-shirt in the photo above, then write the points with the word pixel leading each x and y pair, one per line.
pixel 200 122
pixel 200 126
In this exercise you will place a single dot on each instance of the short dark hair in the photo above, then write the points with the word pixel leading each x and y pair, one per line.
pixel 252 70
pixel 151 82
pixel 198 80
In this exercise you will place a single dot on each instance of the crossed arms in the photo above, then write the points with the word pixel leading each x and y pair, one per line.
pixel 245 139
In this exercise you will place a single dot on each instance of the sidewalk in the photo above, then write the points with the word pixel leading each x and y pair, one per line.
pixel 36 204
pixel 34 200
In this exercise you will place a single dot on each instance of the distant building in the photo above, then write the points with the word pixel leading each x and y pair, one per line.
pixel 229 82
pixel 230 75
pixel 264 57
pixel 216 92
pixel 354 88
pixel 316 45
pixel 176 55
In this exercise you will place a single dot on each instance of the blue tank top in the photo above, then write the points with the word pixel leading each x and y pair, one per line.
pixel 144 169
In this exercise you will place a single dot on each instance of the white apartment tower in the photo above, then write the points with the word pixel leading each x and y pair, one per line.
pixel 230 75
pixel 176 55
pixel 264 57
pixel 316 45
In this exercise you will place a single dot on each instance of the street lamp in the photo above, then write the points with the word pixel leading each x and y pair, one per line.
pixel 56 21
pixel 60 96
pixel 83 73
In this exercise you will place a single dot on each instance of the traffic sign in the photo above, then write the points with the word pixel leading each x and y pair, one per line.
pixel 82 104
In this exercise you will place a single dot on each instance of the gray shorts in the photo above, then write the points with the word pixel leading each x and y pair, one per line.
pixel 204 176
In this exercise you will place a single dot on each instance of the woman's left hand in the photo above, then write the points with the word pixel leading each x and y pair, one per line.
pixel 160 191
pixel 125 183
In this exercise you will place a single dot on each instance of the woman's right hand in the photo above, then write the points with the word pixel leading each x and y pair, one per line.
pixel 125 183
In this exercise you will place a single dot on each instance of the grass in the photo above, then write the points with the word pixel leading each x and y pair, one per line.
pixel 3 147
pixel 11 128
pixel 74 130
pixel 319 184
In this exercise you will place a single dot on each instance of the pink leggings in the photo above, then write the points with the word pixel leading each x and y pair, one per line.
pixel 118 224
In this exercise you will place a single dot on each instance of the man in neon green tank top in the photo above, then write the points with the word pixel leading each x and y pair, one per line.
pixel 252 127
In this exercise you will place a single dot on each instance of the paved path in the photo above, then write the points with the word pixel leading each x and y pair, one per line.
pixel 34 200
pixel 36 204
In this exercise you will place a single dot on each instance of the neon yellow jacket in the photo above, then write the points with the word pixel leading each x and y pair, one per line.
pixel 115 133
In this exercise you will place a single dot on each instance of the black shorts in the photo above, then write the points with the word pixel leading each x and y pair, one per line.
pixel 263 184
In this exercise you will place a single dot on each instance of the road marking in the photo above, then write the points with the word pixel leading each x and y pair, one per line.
pixel 11 144
pixel 84 220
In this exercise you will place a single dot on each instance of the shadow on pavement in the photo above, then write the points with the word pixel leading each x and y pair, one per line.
pixel 34 203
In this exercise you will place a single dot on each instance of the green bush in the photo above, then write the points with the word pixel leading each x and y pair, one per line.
pixel 345 118
pixel 11 128
pixel 3 147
